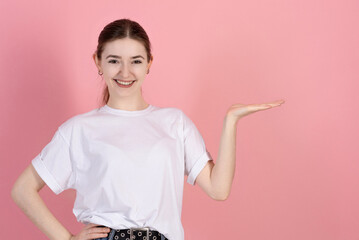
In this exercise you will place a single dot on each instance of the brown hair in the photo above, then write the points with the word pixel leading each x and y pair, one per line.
pixel 118 29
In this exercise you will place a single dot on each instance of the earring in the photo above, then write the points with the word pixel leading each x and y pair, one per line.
pixel 148 71
pixel 99 72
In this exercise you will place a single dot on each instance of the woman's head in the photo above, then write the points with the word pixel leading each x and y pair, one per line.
pixel 123 53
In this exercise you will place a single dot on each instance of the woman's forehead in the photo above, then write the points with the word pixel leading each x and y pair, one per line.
pixel 124 47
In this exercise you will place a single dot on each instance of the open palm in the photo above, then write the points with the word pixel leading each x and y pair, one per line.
pixel 238 110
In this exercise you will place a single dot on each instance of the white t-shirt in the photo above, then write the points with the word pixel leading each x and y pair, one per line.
pixel 127 167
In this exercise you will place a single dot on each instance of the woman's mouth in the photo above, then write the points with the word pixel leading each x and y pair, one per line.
pixel 124 84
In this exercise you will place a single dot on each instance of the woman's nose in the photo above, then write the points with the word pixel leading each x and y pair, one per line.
pixel 125 71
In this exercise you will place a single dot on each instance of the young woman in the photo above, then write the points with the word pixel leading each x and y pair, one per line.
pixel 127 159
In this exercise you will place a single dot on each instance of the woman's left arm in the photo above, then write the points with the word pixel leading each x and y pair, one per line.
pixel 216 179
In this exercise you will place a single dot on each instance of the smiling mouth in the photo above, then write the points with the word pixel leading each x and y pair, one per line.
pixel 124 83
pixel 121 81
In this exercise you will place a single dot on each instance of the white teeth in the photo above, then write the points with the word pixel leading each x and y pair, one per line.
pixel 124 83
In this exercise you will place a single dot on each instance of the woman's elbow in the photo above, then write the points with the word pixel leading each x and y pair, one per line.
pixel 28 182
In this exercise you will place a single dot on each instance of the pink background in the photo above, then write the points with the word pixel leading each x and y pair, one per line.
pixel 297 172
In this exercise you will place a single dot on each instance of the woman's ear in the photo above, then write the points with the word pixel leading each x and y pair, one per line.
pixel 97 62
pixel 149 64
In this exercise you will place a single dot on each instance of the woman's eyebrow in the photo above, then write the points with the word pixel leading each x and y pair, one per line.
pixel 115 56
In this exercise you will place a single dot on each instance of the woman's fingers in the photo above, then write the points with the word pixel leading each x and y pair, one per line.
pixel 93 231
pixel 97 231
pixel 239 110
pixel 96 235
pixel 276 103
pixel 258 107
pixel 271 104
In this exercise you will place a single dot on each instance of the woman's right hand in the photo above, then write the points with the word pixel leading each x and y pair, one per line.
pixel 91 231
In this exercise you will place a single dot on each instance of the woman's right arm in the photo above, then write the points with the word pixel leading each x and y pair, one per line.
pixel 25 193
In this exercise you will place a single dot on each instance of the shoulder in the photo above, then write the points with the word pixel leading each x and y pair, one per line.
pixel 70 124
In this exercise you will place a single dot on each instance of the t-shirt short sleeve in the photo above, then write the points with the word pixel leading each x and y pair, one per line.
pixel 53 164
pixel 195 153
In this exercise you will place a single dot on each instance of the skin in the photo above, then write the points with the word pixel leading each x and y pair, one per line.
pixel 25 191
pixel 216 179
pixel 91 231
pixel 130 99
pixel 125 69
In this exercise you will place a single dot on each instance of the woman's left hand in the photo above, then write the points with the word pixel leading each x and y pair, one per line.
pixel 237 111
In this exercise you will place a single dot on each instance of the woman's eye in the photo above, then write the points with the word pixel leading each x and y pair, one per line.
pixel 115 61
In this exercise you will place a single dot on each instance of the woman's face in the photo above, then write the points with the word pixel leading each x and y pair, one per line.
pixel 123 60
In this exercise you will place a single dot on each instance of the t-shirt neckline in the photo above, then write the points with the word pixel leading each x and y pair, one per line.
pixel 122 112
